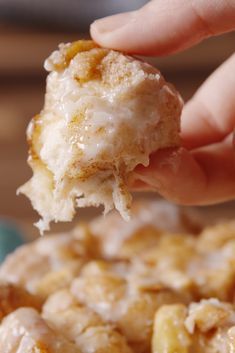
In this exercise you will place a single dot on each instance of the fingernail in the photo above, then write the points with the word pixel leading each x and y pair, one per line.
pixel 149 180
pixel 113 23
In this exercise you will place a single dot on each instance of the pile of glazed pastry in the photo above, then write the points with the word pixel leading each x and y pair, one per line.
pixel 156 284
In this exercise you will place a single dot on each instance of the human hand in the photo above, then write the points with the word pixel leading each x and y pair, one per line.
pixel 202 171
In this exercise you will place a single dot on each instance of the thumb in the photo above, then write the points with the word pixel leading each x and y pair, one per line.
pixel 163 27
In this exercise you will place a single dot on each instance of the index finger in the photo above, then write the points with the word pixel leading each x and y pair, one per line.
pixel 163 27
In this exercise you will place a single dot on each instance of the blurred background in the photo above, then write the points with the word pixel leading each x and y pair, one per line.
pixel 29 31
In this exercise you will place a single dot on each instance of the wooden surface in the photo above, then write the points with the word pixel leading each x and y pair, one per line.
pixel 22 87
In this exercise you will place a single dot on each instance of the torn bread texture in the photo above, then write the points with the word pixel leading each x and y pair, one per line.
pixel 104 113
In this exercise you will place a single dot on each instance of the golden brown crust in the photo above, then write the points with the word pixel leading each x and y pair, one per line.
pixel 13 297
pixel 71 50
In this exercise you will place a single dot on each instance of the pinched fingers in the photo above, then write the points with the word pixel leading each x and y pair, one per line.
pixel 163 27
pixel 200 177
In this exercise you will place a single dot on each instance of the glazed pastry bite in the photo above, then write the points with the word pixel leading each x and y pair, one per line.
pixel 25 331
pixel 207 326
pixel 82 326
pixel 13 297
pixel 104 113
pixel 50 263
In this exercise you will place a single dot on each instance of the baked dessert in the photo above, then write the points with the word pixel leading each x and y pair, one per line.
pixel 104 113
pixel 166 286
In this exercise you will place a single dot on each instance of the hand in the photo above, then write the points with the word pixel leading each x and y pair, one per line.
pixel 202 171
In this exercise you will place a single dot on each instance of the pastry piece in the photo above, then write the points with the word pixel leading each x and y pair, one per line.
pixel 25 331
pixel 50 263
pixel 150 219
pixel 13 297
pixel 107 290
pixel 104 113
pixel 82 326
pixel 204 327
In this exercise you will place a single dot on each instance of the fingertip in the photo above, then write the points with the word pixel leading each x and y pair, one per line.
pixel 94 32
pixel 107 31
